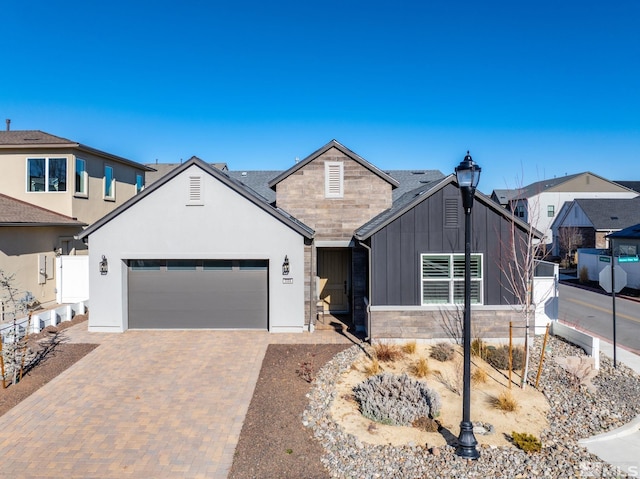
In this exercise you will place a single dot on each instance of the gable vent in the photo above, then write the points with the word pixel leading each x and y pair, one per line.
pixel 195 190
pixel 451 212
pixel 334 179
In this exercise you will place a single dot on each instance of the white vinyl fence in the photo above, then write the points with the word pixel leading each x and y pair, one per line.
pixel 41 319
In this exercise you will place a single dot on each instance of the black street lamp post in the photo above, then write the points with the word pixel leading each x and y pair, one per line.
pixel 468 175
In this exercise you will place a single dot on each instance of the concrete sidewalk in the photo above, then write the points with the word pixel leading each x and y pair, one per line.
pixel 620 447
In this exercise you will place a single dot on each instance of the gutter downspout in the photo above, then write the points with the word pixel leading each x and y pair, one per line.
pixel 368 299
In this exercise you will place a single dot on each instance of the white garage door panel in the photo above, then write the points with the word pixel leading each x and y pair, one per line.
pixel 197 298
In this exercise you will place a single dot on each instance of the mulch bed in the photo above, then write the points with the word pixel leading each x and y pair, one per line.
pixel 56 356
pixel 273 443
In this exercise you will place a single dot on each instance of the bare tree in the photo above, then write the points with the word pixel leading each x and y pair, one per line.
pixel 569 238
pixel 14 306
pixel 521 249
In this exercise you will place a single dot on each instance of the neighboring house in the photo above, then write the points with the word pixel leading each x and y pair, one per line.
pixel 30 239
pixel 61 175
pixel 632 185
pixel 207 248
pixel 585 223
pixel 540 202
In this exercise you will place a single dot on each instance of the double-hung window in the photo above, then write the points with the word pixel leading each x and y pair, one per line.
pixel 82 178
pixel 443 278
pixel 46 174
pixel 109 183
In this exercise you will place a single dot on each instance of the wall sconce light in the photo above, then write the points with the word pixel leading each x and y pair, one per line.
pixel 104 265
pixel 285 266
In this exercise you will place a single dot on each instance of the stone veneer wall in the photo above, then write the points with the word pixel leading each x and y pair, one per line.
pixel 430 324
pixel 302 194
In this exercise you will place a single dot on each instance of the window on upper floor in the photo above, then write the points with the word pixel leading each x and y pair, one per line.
pixel 519 212
pixel 46 174
pixel 333 179
pixel 443 278
pixel 82 178
pixel 551 211
pixel 109 183
pixel 139 183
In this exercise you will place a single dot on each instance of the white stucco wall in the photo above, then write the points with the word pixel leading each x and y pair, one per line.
pixel 538 204
pixel 226 226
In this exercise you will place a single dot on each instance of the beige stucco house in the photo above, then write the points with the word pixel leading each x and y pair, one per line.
pixel 65 176
pixel 50 187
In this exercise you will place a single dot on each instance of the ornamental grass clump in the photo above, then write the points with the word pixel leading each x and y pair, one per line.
pixel 396 400
pixel 387 353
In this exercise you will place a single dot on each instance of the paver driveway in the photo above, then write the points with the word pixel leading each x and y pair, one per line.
pixel 145 404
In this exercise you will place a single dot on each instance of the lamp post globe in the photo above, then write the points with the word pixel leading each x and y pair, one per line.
pixel 468 176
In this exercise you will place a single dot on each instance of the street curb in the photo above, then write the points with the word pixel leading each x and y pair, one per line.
pixel 629 428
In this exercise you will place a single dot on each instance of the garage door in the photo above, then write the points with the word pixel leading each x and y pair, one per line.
pixel 219 294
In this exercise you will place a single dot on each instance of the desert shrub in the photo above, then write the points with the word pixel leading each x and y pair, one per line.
pixel 442 352
pixel 479 348
pixel 397 400
pixel 479 376
pixel 426 424
pixel 526 442
pixel 372 368
pixel 387 352
pixel 420 367
pixel 506 401
pixel 499 357
pixel 583 275
pixel 409 347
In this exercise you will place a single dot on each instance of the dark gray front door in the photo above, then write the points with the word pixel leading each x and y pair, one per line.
pixel 189 294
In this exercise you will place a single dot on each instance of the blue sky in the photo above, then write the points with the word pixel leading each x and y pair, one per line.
pixel 533 89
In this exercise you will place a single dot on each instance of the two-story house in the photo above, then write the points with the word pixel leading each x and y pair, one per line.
pixel 51 187
pixel 540 202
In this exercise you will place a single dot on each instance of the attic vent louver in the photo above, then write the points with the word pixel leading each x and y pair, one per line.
pixel 334 179
pixel 451 212
pixel 195 190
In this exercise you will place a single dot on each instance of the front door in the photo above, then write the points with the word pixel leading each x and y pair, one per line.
pixel 333 271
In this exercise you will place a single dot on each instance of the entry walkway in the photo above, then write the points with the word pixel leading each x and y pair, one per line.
pixel 145 404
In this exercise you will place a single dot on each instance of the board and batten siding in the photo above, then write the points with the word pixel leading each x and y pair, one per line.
pixel 396 249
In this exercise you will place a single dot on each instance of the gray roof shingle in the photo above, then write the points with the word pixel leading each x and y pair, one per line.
pixel 611 213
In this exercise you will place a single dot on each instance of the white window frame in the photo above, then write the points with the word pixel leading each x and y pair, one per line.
pixel 47 159
pixel 109 195
pixel 333 179
pixel 84 175
pixel 551 211
pixel 448 275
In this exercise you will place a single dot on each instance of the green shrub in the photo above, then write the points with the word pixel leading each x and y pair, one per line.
pixel 526 442
pixel 442 352
pixel 499 357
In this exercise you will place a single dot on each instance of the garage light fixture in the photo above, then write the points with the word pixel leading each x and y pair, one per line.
pixel 104 265
pixel 285 266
